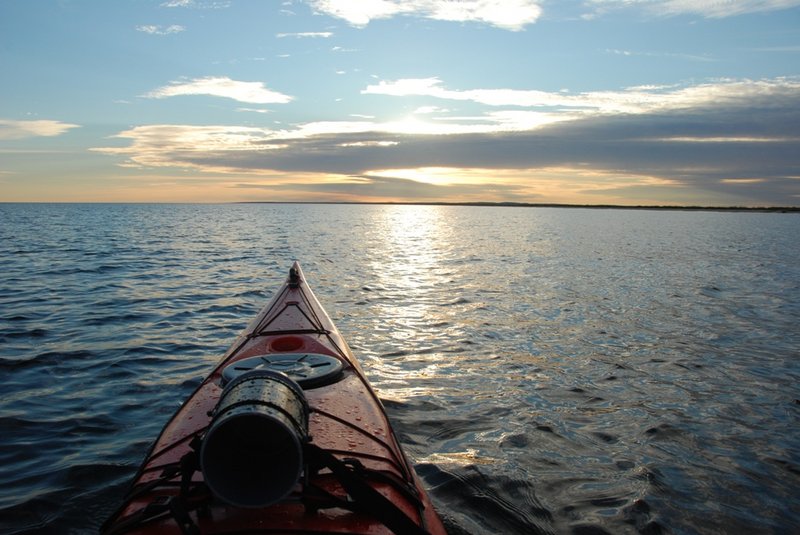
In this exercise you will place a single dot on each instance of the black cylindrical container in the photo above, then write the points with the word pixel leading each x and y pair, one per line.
pixel 252 453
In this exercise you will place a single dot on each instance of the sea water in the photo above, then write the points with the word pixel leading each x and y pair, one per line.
pixel 548 370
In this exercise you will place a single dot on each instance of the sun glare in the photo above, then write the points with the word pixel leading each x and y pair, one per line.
pixel 411 237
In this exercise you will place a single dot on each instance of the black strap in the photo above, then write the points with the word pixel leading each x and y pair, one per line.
pixel 176 506
pixel 409 492
pixel 365 498
pixel 350 474
pixel 188 466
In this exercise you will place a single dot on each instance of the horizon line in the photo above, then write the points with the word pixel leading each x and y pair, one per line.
pixel 500 204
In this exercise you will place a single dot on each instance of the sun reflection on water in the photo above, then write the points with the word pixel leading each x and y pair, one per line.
pixel 408 262
pixel 413 238
pixel 410 268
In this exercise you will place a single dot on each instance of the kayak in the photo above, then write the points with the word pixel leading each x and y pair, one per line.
pixel 284 436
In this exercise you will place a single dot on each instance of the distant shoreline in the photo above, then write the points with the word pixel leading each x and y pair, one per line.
pixel 765 209
pixel 778 209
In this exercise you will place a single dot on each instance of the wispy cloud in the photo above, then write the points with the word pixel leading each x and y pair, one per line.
pixel 631 53
pixel 11 129
pixel 160 30
pixel 730 139
pixel 199 4
pixel 704 8
pixel 430 109
pixel 506 14
pixel 379 188
pixel 253 110
pixel 300 35
pixel 250 92
pixel 639 99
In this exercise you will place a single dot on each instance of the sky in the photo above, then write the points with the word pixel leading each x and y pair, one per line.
pixel 626 102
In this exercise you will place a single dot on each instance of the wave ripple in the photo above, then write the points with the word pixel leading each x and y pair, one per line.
pixel 549 370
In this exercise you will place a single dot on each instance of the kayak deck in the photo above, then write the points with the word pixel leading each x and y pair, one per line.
pixel 347 426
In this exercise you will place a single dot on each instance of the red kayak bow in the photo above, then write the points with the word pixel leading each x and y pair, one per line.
pixel 284 436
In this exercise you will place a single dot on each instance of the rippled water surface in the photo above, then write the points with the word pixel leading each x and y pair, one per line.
pixel 548 370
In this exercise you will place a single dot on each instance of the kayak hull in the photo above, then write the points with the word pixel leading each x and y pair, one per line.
pixel 346 423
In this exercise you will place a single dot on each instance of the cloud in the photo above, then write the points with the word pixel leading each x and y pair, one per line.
pixel 324 35
pixel 511 15
pixel 721 142
pixel 10 129
pixel 689 57
pixel 640 99
pixel 253 110
pixel 424 110
pixel 386 188
pixel 704 8
pixel 160 30
pixel 199 4
pixel 251 92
